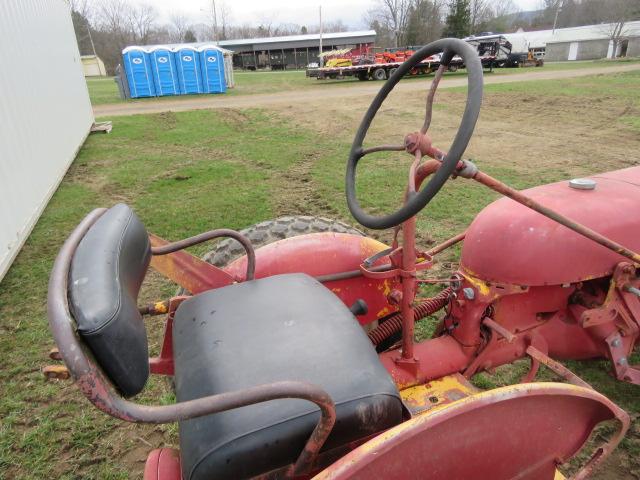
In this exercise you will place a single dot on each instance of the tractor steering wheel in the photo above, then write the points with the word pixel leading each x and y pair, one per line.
pixel 417 201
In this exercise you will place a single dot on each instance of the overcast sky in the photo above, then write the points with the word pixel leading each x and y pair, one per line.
pixel 302 12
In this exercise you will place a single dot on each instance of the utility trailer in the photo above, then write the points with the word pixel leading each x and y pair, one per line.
pixel 381 71
pixel 495 51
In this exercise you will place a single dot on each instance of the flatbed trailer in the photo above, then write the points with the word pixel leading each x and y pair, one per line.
pixel 379 71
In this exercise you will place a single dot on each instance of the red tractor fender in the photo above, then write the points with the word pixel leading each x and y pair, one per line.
pixel 505 433
pixel 327 253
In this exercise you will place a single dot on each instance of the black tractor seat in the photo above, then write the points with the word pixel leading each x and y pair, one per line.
pixel 285 327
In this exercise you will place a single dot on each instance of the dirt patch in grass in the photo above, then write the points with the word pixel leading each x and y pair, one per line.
pixel 295 192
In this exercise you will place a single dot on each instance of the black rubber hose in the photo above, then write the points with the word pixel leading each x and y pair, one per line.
pixel 450 47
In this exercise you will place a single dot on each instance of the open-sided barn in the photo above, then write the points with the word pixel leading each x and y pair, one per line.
pixel 293 51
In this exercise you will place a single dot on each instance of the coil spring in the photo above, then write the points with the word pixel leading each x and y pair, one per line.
pixel 394 323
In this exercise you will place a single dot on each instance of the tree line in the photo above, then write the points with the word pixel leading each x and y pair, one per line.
pixel 416 22
pixel 108 26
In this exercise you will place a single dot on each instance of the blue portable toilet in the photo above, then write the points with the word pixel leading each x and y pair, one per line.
pixel 189 71
pixel 212 63
pixel 165 74
pixel 137 66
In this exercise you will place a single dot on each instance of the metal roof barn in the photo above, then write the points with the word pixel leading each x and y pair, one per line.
pixel 45 112
pixel 292 50
pixel 300 41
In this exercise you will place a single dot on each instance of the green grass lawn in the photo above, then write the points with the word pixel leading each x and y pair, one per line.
pixel 188 172
pixel 105 90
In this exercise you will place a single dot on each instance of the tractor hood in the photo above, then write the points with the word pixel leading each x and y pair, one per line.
pixel 510 243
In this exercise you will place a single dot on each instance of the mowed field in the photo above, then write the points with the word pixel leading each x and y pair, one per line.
pixel 187 172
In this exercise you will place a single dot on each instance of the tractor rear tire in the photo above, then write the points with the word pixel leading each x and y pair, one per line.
pixel 380 74
pixel 270 231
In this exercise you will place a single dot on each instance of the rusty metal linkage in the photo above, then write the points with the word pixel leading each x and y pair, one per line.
pixel 557 367
pixel 99 390
pixel 430 97
pixel 332 277
pixel 603 451
pixel 210 235
pixel 499 329
pixel 446 244
pixel 381 148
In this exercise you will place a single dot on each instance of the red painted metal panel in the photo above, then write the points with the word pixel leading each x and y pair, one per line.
pixel 509 243
pixel 322 254
pixel 520 431
pixel 435 358
pixel 163 464
pixel 187 270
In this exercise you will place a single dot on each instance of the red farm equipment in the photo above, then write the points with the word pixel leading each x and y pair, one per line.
pixel 275 376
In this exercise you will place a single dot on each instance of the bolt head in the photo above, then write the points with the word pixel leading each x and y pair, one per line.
pixel 395 297
pixel 622 361
pixel 469 293
pixel 615 343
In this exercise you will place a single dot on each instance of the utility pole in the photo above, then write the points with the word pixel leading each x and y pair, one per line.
pixel 555 20
pixel 215 21
pixel 320 55
pixel 93 47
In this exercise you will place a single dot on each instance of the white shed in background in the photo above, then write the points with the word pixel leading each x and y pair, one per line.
pixel 93 66
pixel 45 113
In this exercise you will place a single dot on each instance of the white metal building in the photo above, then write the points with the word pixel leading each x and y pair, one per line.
pixel 45 112
pixel 584 38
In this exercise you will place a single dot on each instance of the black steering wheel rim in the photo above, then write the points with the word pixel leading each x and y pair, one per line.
pixel 449 47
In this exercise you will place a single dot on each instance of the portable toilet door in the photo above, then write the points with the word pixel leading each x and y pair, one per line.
pixel 165 74
pixel 212 62
pixel 189 72
pixel 137 67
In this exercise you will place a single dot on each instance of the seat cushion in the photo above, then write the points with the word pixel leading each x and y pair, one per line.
pixel 285 327
pixel 106 273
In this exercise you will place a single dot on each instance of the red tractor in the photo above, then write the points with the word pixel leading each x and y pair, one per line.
pixel 275 376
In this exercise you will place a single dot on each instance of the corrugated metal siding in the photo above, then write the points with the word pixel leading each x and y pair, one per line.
pixel 45 112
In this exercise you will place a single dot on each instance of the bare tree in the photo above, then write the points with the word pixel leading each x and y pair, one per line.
pixel 481 11
pixel 142 19
pixel 392 15
pixel 502 8
pixel 80 13
pixel 112 31
pixel 286 29
pixel 425 22
pixel 179 26
pixel 225 18
pixel 81 7
pixel 618 13
pixel 112 16
pixel 202 31
pixel 265 25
